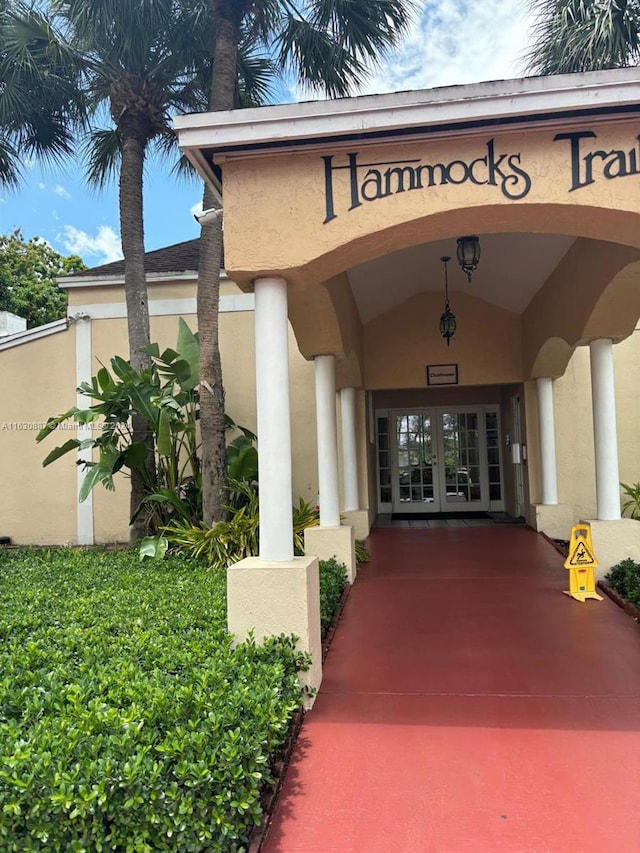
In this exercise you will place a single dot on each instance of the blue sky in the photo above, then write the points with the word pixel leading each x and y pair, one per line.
pixel 451 42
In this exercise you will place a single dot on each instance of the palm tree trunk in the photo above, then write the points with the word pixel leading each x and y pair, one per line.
pixel 228 15
pixel 135 288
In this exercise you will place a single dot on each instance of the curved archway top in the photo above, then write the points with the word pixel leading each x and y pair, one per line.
pixel 312 215
pixel 612 225
pixel 594 292
pixel 552 359
pixel 617 311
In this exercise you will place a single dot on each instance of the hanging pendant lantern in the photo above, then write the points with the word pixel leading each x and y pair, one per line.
pixel 448 323
pixel 469 253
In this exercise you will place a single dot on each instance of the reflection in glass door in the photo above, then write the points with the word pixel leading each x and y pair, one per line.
pixel 461 439
pixel 414 470
pixel 439 460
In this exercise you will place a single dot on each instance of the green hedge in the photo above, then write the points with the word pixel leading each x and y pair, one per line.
pixel 127 722
pixel 333 579
pixel 625 579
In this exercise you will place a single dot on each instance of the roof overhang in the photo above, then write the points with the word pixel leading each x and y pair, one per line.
pixel 208 139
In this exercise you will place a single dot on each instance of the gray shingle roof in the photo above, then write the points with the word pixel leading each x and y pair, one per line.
pixel 177 258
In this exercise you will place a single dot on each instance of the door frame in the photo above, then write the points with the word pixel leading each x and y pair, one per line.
pixel 390 454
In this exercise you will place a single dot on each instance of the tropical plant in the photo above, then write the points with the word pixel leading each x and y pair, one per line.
pixel 231 539
pixel 166 396
pixel 362 552
pixel 631 506
pixel 326 46
pixel 227 542
pixel 28 278
pixel 40 102
pixel 304 515
pixel 584 35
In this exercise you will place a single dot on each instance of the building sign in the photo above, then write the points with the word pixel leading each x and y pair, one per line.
pixel 442 374
pixel 371 181
pixel 589 165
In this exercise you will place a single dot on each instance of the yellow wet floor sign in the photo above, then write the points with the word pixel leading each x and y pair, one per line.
pixel 581 563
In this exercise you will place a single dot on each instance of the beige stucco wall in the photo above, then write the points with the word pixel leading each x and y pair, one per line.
pixel 400 344
pixel 37 505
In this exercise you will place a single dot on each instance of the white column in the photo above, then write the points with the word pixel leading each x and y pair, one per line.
pixel 274 422
pixel 547 441
pixel 349 448
pixel 325 366
pixel 84 510
pixel 604 430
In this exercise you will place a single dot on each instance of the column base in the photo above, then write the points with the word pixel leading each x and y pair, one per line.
pixel 555 520
pixel 328 542
pixel 271 598
pixel 359 520
pixel 614 541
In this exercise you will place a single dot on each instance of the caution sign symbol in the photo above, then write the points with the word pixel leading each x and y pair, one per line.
pixel 582 556
pixel 581 563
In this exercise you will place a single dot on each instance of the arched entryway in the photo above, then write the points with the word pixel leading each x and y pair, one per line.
pixel 338 219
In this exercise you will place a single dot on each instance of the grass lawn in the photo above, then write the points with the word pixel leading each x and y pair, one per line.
pixel 127 722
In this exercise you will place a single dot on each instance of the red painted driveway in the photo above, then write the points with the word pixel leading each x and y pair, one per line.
pixel 467 705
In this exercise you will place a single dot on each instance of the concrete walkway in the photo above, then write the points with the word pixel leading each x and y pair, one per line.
pixel 467 705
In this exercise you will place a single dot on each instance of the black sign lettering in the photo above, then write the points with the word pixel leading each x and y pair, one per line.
pixel 370 182
pixel 588 165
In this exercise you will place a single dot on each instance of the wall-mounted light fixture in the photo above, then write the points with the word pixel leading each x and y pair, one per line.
pixel 448 319
pixel 469 253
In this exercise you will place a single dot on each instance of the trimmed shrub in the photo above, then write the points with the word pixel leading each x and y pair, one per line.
pixel 333 579
pixel 625 580
pixel 127 721
pixel 362 552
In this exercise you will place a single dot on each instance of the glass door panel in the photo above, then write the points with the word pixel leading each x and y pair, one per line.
pixel 461 457
pixel 415 485
pixel 439 460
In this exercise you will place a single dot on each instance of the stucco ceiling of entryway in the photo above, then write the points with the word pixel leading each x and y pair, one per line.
pixel 513 267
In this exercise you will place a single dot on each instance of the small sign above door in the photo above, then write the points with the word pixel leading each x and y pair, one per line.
pixel 442 374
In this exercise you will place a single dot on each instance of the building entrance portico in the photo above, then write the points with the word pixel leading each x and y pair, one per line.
pixel 351 205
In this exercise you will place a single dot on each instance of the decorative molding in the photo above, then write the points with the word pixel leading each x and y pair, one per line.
pixel 33 334
pixel 165 307
pixel 117 280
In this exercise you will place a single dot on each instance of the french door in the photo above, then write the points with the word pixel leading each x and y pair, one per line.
pixel 439 460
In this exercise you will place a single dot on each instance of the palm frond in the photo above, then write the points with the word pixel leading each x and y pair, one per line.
pixel 584 35
pixel 102 151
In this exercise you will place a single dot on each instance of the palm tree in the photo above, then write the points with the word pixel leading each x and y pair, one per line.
pixel 138 65
pixel 40 103
pixel 584 35
pixel 327 45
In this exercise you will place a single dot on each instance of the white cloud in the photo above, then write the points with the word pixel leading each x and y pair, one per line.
pixel 61 191
pixel 453 42
pixel 102 248
pixel 42 186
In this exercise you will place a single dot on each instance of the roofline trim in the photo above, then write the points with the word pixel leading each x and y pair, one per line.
pixel 117 280
pixel 29 335
pixel 521 99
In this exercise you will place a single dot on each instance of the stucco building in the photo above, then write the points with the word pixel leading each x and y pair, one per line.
pixel 337 216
